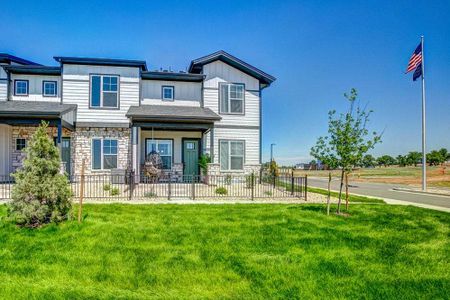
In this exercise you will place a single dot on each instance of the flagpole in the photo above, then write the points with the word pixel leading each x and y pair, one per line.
pixel 424 155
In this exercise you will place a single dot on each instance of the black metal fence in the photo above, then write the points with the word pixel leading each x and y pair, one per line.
pixel 169 186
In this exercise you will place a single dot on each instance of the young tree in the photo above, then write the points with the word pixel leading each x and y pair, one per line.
pixel 348 139
pixel 41 194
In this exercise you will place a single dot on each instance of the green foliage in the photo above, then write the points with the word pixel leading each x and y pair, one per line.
pixel 114 191
pixel 203 162
pixel 413 158
pixel 221 191
pixel 386 160
pixel 228 179
pixel 41 194
pixel 348 138
pixel 273 168
pixel 106 187
pixel 250 181
pixel 435 158
pixel 150 195
pixel 236 251
pixel 402 161
pixel 268 193
pixel 369 161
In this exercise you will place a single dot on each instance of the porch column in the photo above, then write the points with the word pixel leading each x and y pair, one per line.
pixel 135 133
pixel 211 143
pixel 59 145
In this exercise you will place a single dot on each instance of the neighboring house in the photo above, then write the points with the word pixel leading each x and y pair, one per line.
pixel 112 113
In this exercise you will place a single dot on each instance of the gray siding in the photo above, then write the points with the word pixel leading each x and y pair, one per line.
pixel 35 88
pixel 186 93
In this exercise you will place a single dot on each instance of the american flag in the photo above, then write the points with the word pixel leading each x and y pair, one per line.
pixel 416 60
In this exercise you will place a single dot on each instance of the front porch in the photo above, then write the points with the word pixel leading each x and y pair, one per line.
pixel 18 122
pixel 180 135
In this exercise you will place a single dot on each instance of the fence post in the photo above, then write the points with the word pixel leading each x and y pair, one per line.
pixel 306 187
pixel 169 187
pixel 193 187
pixel 80 209
pixel 292 182
pixel 253 185
pixel 131 183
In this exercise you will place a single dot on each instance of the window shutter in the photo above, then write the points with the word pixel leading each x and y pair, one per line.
pixel 95 91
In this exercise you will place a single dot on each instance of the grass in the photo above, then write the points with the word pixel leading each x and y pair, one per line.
pixel 230 251
pixel 437 176
pixel 351 197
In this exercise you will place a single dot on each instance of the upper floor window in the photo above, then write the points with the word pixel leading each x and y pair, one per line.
pixel 49 88
pixel 231 98
pixel 21 87
pixel 104 91
pixel 168 93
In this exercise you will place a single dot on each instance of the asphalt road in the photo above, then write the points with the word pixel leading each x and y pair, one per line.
pixel 383 190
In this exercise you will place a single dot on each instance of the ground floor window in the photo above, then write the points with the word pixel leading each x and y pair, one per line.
pixel 231 155
pixel 163 148
pixel 20 144
pixel 104 154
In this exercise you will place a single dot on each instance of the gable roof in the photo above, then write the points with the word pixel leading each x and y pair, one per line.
pixel 197 65
pixel 102 62
pixel 173 76
pixel 8 58
pixel 33 69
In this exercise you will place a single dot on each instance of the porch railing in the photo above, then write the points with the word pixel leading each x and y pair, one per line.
pixel 194 187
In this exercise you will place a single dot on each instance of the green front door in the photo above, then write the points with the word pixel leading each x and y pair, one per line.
pixel 190 156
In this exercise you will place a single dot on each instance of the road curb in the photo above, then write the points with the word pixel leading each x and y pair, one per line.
pixel 419 192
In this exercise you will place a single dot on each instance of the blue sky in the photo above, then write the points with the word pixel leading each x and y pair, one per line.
pixel 317 50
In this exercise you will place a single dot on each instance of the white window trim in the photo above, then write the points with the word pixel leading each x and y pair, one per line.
pixel 229 112
pixel 157 141
pixel 49 82
pixel 163 94
pixel 15 87
pixel 101 92
pixel 229 156
pixel 101 153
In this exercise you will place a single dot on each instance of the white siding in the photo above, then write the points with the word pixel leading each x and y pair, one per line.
pixel 237 127
pixel 251 108
pixel 5 150
pixel 35 87
pixel 175 135
pixel 186 93
pixel 3 84
pixel 218 71
pixel 250 136
pixel 76 91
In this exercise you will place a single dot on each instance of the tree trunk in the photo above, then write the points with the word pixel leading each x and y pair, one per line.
pixel 340 192
pixel 346 190
pixel 329 194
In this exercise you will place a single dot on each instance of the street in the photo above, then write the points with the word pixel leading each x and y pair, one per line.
pixel 383 190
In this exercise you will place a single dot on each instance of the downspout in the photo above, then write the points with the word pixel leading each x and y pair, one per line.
pixel 260 125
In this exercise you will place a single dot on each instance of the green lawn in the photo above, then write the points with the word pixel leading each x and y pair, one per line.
pixel 230 251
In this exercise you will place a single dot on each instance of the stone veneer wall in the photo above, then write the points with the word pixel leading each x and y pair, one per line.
pixel 82 148
pixel 214 169
pixel 25 132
